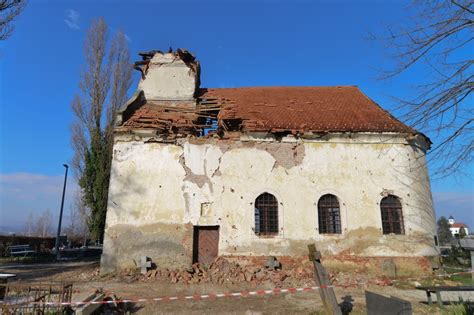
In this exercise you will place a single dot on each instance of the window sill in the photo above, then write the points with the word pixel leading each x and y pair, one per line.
pixel 267 236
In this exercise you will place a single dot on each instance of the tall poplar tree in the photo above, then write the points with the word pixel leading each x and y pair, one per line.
pixel 105 80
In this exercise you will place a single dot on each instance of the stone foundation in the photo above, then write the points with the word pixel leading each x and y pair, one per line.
pixel 166 244
pixel 375 266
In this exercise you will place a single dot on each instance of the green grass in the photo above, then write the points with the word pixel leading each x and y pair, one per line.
pixel 462 308
pixel 465 279
pixel 454 269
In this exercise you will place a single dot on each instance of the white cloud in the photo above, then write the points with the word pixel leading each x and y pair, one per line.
pixel 30 185
pixel 72 19
pixel 127 37
pixel 25 193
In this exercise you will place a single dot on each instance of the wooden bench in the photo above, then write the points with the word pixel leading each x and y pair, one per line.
pixel 20 250
pixel 437 290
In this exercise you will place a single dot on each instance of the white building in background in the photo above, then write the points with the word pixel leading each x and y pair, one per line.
pixel 455 228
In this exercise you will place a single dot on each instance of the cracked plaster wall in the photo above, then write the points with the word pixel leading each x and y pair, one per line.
pixel 158 191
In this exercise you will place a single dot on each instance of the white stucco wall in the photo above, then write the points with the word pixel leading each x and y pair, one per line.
pixel 215 182
pixel 456 230
pixel 168 78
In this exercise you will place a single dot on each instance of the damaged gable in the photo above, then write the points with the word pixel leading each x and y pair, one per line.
pixel 172 76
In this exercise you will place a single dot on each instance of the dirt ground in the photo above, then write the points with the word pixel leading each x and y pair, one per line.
pixel 85 279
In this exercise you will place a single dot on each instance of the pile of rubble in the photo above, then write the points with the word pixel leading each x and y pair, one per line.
pixel 222 271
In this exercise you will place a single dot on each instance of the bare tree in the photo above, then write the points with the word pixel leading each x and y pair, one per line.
pixel 438 38
pixel 104 83
pixel 78 218
pixel 70 229
pixel 9 10
pixel 43 224
pixel 29 224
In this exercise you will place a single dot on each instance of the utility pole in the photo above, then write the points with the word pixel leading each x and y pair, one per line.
pixel 61 213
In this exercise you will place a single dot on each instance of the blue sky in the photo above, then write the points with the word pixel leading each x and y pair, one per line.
pixel 239 43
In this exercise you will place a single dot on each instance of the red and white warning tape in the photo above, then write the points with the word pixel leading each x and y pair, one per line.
pixel 209 296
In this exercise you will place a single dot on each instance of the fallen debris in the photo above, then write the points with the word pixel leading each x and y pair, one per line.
pixel 222 271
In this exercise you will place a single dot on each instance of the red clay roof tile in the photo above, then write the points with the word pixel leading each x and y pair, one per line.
pixel 304 109
pixel 274 109
pixel 458 225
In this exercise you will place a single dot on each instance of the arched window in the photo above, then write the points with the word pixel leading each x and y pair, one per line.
pixel 392 217
pixel 266 215
pixel 329 216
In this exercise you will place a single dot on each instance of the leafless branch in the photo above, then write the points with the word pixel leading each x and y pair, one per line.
pixel 9 10
pixel 440 36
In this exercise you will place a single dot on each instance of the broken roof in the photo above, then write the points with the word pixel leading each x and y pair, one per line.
pixel 303 109
pixel 296 110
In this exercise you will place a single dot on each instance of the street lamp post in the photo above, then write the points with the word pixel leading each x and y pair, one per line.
pixel 61 213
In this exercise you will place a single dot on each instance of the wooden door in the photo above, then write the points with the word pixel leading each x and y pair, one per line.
pixel 206 244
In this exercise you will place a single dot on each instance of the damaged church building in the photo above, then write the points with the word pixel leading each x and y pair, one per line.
pixel 256 172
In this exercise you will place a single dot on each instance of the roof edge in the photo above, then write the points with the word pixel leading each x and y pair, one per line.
pixel 414 131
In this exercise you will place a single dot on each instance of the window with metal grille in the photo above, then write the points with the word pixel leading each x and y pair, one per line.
pixel 266 215
pixel 329 217
pixel 392 217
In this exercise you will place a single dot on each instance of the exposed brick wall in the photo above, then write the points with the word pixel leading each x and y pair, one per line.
pixel 403 266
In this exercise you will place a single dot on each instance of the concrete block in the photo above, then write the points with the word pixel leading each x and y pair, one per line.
pixel 89 308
